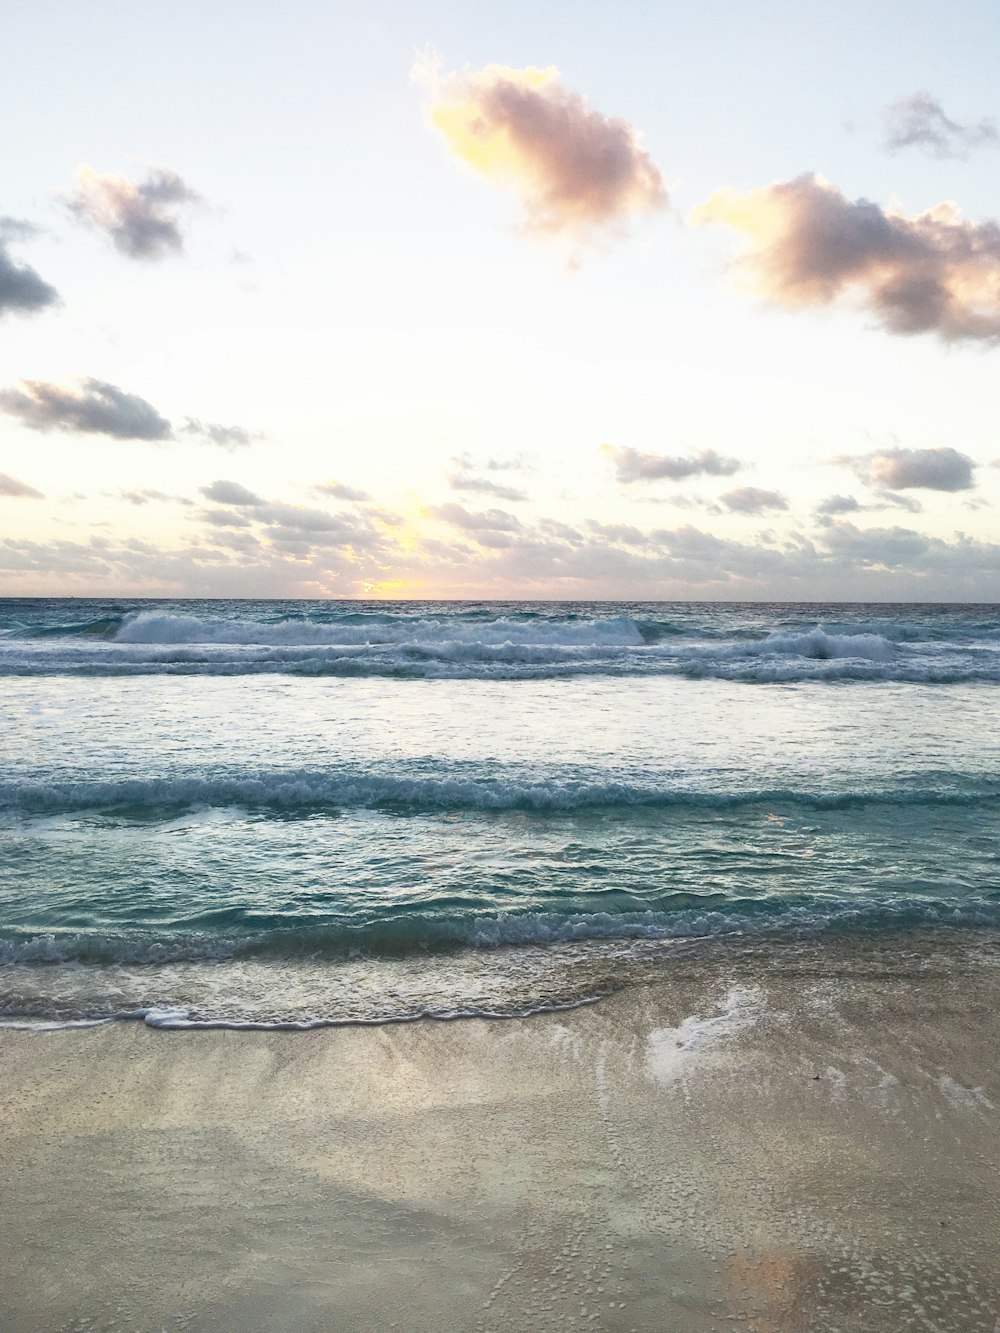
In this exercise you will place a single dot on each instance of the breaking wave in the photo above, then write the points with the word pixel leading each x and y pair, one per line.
pixel 316 790
pixel 427 641
pixel 822 646
pixel 418 932
pixel 163 627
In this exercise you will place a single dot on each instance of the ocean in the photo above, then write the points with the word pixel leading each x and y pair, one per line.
pixel 294 814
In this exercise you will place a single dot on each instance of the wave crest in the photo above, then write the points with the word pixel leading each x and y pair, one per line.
pixel 421 932
pixel 820 645
pixel 311 790
pixel 166 627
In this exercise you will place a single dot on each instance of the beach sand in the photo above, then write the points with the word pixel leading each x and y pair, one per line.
pixel 763 1137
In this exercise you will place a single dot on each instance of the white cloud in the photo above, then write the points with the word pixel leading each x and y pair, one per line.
pixel 577 172
pixel 631 465
pixel 140 218
pixel 811 246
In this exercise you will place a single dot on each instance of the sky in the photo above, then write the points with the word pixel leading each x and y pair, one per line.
pixel 562 300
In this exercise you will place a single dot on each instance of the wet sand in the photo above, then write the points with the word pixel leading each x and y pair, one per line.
pixel 763 1137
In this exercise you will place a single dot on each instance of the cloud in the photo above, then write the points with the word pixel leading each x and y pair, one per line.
pixel 99 408
pixel 295 532
pixel 624 534
pixel 632 465
pixel 305 553
pixel 21 288
pixel 838 504
pixel 552 527
pixel 919 121
pixel 518 462
pixel 231 493
pixel 467 481
pixel 302 518
pixel 576 172
pixel 226 437
pixel 16 229
pixel 752 500
pixel 224 518
pixel 465 476
pixel 295 517
pixel 139 218
pixel 913 469
pixel 834 506
pixel 221 562
pixel 811 246
pixel 839 562
pixel 491 527
pixel 460 517
pixel 388 517
pixel 14 489
pixel 890 500
pixel 903 548
pixel 96 408
pixel 145 495
pixel 341 492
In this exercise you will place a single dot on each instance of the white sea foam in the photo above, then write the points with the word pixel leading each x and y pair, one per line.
pixel 815 644
pixel 967 1099
pixel 670 1051
pixel 52 1024
pixel 819 644
pixel 178 1020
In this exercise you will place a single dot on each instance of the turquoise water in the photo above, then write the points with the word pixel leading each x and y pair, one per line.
pixel 320 812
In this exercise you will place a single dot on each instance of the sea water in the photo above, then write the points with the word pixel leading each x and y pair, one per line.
pixel 297 813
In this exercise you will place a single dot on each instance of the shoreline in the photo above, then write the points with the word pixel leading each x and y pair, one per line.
pixel 803 1146
pixel 509 981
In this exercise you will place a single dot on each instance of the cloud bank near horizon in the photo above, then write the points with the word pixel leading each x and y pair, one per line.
pixel 278 549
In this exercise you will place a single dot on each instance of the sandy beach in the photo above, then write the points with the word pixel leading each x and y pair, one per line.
pixel 775 1139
